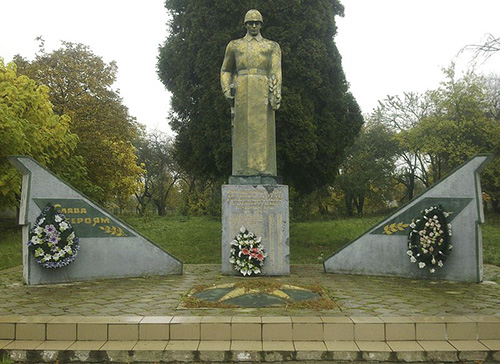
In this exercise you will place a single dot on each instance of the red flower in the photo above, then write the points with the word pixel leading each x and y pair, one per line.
pixel 260 257
pixel 255 250
pixel 245 251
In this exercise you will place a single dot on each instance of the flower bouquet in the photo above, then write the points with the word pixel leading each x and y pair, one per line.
pixel 52 239
pixel 247 253
pixel 429 238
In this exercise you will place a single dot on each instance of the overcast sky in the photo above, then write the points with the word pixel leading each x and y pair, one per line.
pixel 387 46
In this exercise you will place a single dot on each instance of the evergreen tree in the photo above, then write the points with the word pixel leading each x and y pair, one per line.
pixel 318 118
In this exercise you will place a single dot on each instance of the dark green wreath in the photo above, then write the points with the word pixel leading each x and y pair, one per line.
pixel 52 240
pixel 429 238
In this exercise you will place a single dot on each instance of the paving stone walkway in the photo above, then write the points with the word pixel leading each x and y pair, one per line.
pixel 157 296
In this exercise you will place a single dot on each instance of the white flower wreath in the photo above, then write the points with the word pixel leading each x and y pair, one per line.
pixel 247 253
pixel 429 238
pixel 52 239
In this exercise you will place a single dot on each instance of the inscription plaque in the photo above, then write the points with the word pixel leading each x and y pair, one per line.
pixel 263 210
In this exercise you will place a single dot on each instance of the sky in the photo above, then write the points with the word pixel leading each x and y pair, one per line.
pixel 387 46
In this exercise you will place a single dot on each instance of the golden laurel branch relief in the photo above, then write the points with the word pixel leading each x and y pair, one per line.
pixel 113 230
pixel 394 228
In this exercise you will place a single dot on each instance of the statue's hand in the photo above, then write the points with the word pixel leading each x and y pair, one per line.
pixel 275 101
pixel 274 93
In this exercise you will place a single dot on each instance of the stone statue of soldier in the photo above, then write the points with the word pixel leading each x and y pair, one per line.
pixel 251 81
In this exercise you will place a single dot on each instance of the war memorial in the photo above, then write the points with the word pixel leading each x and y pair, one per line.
pixel 395 301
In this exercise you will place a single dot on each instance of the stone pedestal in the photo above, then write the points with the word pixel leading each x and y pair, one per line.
pixel 262 209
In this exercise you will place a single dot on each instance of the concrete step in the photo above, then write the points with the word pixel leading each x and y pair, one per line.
pixel 67 339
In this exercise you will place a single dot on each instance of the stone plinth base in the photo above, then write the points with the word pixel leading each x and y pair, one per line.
pixel 255 180
pixel 262 209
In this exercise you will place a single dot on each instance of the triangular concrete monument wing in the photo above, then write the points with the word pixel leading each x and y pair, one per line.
pixel 383 249
pixel 108 247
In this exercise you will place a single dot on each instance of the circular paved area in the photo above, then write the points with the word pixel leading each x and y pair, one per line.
pixel 158 296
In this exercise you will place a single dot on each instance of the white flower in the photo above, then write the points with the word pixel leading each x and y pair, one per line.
pixel 432 270
pixel 413 260
pixel 440 263
pixel 36 240
pixel 38 230
pixel 58 218
pixel 421 265
pixel 63 226
pixel 412 225
pixel 409 252
pixel 242 229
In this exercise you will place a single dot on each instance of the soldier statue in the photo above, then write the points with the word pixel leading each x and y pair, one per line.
pixel 251 81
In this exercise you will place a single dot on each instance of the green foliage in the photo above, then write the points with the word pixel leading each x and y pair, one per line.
pixel 28 126
pixel 6 360
pixel 201 198
pixel 401 114
pixel 159 180
pixel 318 119
pixel 80 85
pixel 11 250
pixel 368 168
pixel 445 127
pixel 491 239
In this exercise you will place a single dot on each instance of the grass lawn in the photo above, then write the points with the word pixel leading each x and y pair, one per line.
pixel 197 239
pixel 11 249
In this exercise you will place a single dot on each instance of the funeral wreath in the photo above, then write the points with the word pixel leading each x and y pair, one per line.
pixel 52 239
pixel 429 238
pixel 247 253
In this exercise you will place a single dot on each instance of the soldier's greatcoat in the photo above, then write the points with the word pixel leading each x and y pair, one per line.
pixel 250 65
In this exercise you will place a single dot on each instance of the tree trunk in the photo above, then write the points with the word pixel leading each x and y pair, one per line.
pixel 360 204
pixel 348 203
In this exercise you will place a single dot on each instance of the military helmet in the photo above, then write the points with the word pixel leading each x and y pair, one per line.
pixel 253 15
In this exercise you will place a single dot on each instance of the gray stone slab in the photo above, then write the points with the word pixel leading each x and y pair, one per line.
pixel 264 211
pixel 109 248
pixel 382 251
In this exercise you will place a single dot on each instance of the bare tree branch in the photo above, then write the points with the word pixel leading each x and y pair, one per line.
pixel 487 49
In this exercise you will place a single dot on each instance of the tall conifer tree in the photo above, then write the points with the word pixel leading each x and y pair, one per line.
pixel 318 117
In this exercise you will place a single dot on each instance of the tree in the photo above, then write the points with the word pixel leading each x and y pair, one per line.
pixel 161 173
pixel 368 168
pixel 28 126
pixel 402 114
pixel 80 85
pixel 490 46
pixel 318 119
pixel 459 126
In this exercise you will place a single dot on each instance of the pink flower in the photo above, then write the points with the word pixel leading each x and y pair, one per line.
pixel 260 257
pixel 245 251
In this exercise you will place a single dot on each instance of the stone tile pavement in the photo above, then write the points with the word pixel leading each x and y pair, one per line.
pixel 159 296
